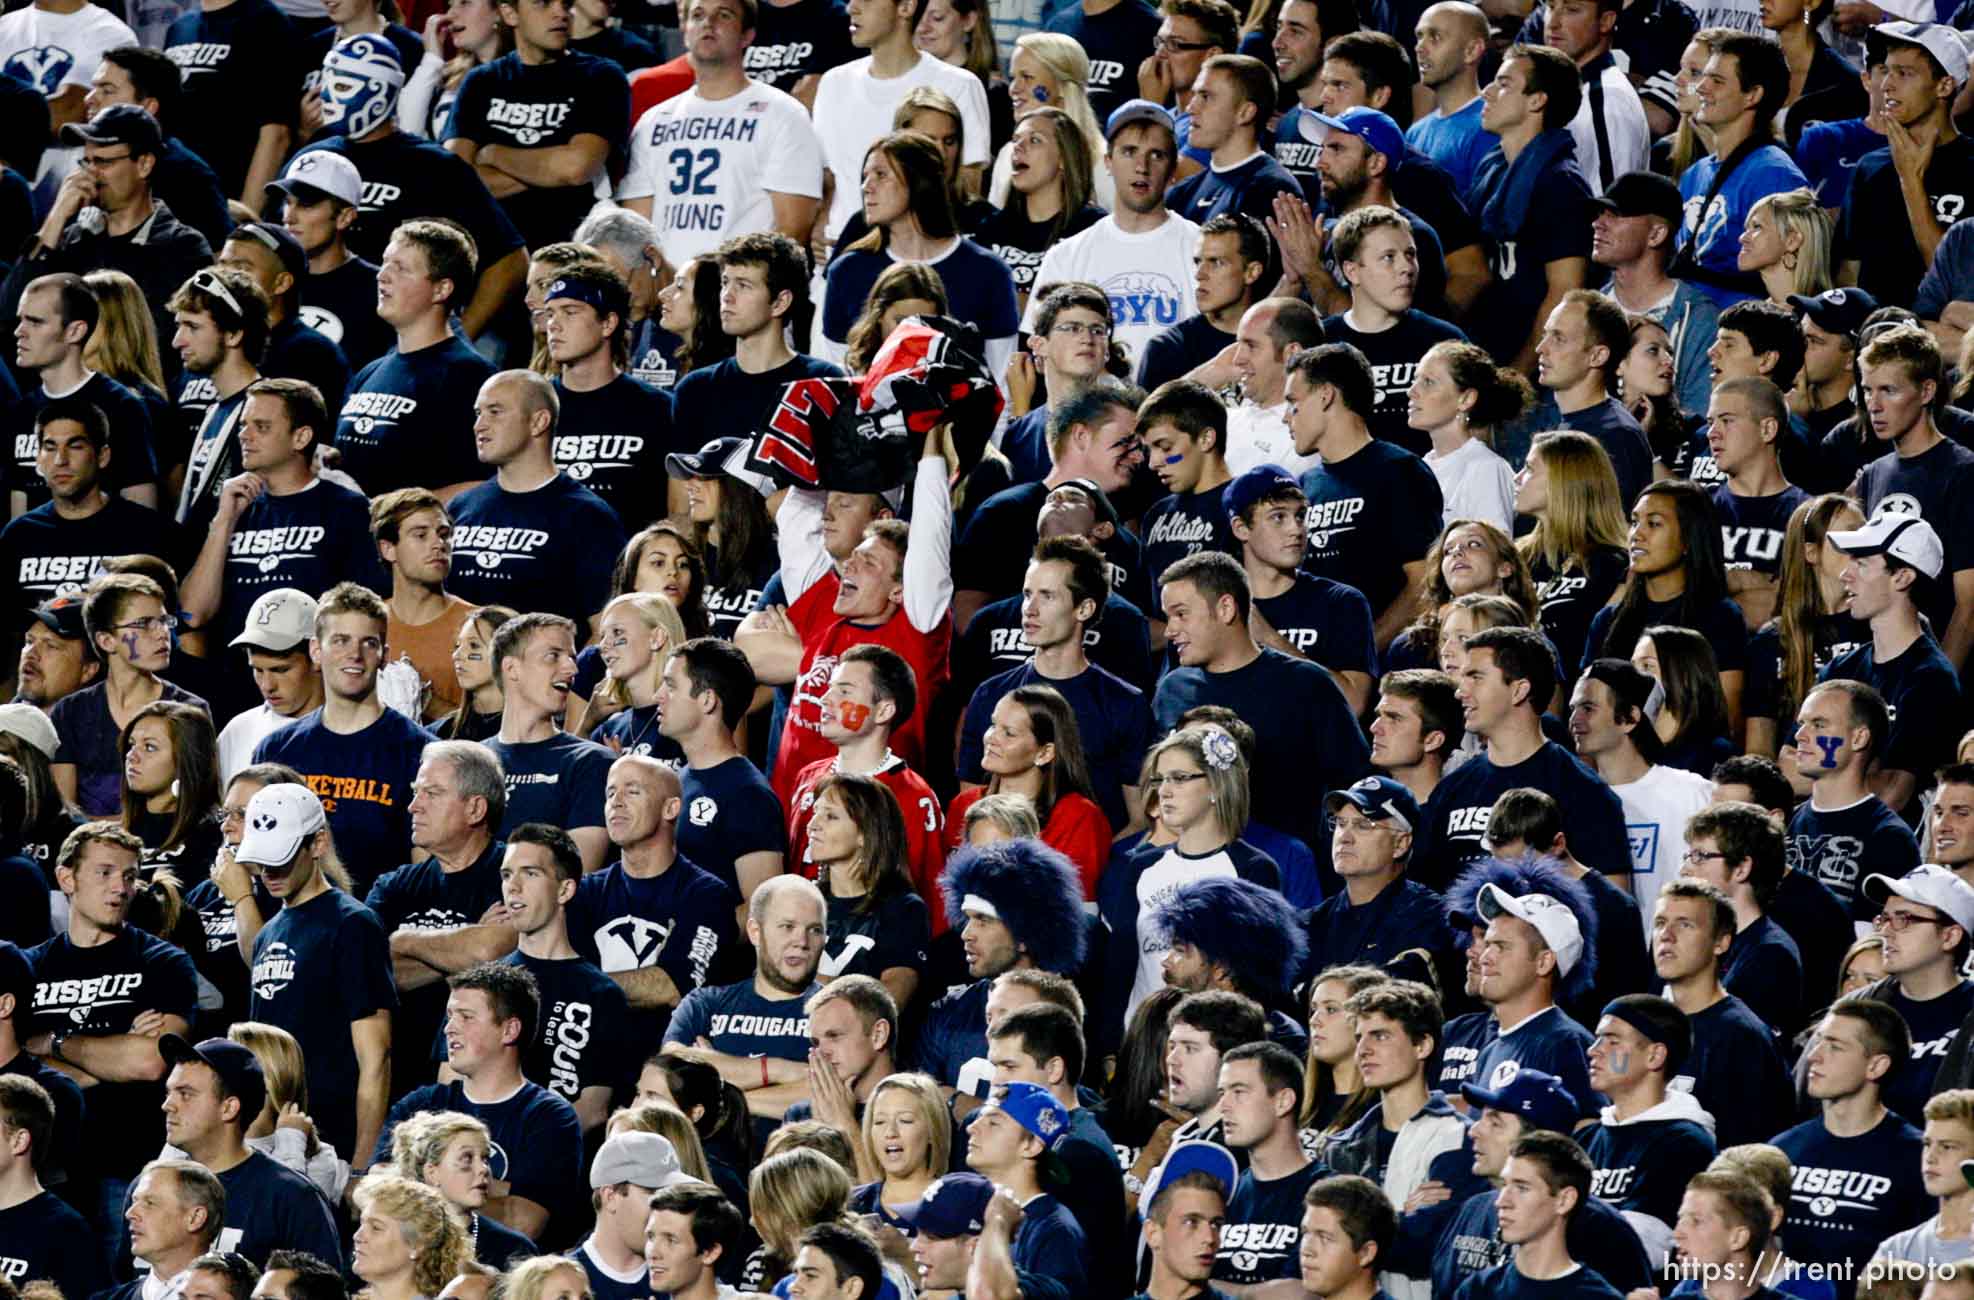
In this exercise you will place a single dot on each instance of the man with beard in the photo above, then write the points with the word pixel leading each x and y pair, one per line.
pixel 321 969
pixel 221 318
pixel 1359 151
pixel 756 1031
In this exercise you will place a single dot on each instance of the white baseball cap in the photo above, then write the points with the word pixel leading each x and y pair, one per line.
pixel 279 818
pixel 1552 919
pixel 30 724
pixel 1931 886
pixel 279 621
pixel 644 1160
pixel 324 172
pixel 1906 538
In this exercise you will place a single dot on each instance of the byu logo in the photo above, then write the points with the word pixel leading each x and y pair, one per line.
pixel 1504 1074
pixel 703 811
pixel 265 822
pixel 852 945
pixel 630 943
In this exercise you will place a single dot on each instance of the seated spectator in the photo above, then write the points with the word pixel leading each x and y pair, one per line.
pixel 1234 935
pixel 275 638
pixel 452 1153
pixel 1544 1184
pixel 482 701
pixel 1033 747
pixel 907 1133
pixel 408 1242
pixel 273 258
pixel 692 1232
pixel 175 1213
pixel 40 1233
pixel 1739 849
pixel 1049 1240
pixel 1840 731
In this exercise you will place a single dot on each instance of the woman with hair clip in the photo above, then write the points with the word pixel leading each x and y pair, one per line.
pixel 908 204
pixel 909 1133
pixel 478 714
pixel 1812 626
pixel 468 34
pixel 1334 1096
pixel 1202 782
pixel 1576 551
pixel 1676 578
pixel 1471 557
pixel 1786 241
pixel 1034 748
pixel 735 534
pixel 124 346
pixel 449 1152
pixel 1648 380
pixel 1692 721
pixel 717 1110
pixel 878 924
pixel 961 32
pixel 1049 198
pixel 409 1243
pixel 634 638
pixel 1459 397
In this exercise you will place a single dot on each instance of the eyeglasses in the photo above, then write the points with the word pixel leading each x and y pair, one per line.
pixel 229 816
pixel 1900 922
pixel 1693 857
pixel 1071 328
pixel 154 623
pixel 1181 778
pixel 1356 825
pixel 1173 45
pixel 100 160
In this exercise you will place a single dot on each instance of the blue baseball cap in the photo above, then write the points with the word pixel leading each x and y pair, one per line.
pixel 1257 484
pixel 1034 1108
pixel 1367 124
pixel 1379 798
pixel 953 1206
pixel 1539 1099
pixel 1133 111
pixel 1193 1158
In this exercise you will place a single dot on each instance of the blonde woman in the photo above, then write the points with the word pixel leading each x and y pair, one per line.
pixel 1786 240
pixel 1047 70
pixel 1576 552
pixel 794 1191
pixel 636 635
pixel 451 1153
pixel 997 817
pixel 546 1277
pixel 670 1123
pixel 409 1242
pixel 908 1132
pixel 124 344
pixel 283 1129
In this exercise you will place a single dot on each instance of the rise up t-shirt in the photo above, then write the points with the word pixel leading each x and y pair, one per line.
pixel 793 41
pixel 133 442
pixel 408 420
pixel 1371 514
pixel 1849 1194
pixel 43 555
pixel 308 540
pixel 550 548
pixel 1455 834
pixel 613 440
pixel 1263 1234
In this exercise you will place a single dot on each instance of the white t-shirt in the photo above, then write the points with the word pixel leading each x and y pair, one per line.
pixel 857 109
pixel 1624 128
pixel 1148 275
pixel 708 165
pixel 1475 483
pixel 1259 435
pixel 240 737
pixel 52 51
pixel 1656 807
pixel 1154 887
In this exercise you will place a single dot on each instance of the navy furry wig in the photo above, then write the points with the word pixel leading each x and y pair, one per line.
pixel 1034 888
pixel 1532 873
pixel 1248 928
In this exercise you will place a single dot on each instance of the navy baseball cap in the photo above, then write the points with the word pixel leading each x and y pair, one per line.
pixel 62 616
pixel 953 1206
pixel 708 462
pixel 127 124
pixel 1133 111
pixel 1643 194
pixel 1539 1099
pixel 276 240
pixel 235 1064
pixel 1369 125
pixel 1379 798
pixel 1837 311
pixel 1257 484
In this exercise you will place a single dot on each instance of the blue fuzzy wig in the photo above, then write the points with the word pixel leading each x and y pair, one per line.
pixel 1248 928
pixel 1531 873
pixel 1036 891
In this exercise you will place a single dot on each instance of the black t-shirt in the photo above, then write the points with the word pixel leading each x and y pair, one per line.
pixel 1371 514
pixel 1504 316
pixel 1456 817
pixel 728 811
pixel 1936 485
pixel 341 305
pixel 133 459
pixel 795 40
pixel 408 421
pixel 43 555
pixel 1922 694
pixel 270 1207
pixel 241 67
pixel 1571 598
pixel 614 441
pixel 295 351
pixel 583 1038
pixel 1623 438
pixel 1183 523
pixel 1751 528
pixel 1877 234
pixel 996 545
pixel 1012 237
pixel 508 102
pixel 406 176
pixel 1172 352
pixel 308 540
pixel 1117 41
pixel 43 1237
pixel 1325 621
pixel 1841 846
pixel 894 933
pixel 1394 356
pixel 993 643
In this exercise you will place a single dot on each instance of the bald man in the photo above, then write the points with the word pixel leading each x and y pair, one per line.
pixel 1451 40
pixel 530 537
pixel 652 920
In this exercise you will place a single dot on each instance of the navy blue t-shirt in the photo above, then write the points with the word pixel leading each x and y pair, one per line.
pixel 714 400
pixel 1620 434
pixel 43 555
pixel 1751 528
pixel 895 933
pixel 614 441
pixel 979 290
pixel 993 643
pixel 681 920
pixel 1736 1074
pixel 241 68
pixel 296 351
pixel 1849 1194
pixel 510 103
pixel 1549 1041
pixel 1263 1234
pixel 1249 188
pixel 994 549
pixel 308 540
pixel 1113 718
pixel 43 1237
pixel 1726 631
pixel 1642 1167
pixel 1931 1025
pixel 559 781
pixel 364 781
pixel 1370 514
pixel 270 1207
pixel 407 176
pixel 1764 968
pixel 537 1140
pixel 633 730
pixel 133 442
pixel 408 420
pixel 425 896
pixel 1506 1282
pixel 738 1021
pixel 1184 523
pixel 1935 485
pixel 1305 736
pixel 341 305
pixel 1429 289
pixel 1922 695
pixel 1455 833
pixel 101 990
pixel 317 969
pixel 728 811
pixel 1117 41
pixel 1394 356
pixel 1841 846
pixel 1598 1237
pixel 549 550
pixel 584 1038
pixel 796 40
pixel 1504 315
pixel 1180 348
pixel 1327 621
pixel 1820 923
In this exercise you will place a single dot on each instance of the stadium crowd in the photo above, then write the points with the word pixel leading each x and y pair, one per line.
pixel 853 649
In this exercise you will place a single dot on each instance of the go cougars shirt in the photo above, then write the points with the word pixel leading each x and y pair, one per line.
pixel 738 1021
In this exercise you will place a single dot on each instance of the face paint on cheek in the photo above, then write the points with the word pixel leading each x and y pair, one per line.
pixel 130 646
pixel 1619 1061
pixel 1175 458
pixel 1041 94
pixel 854 717
pixel 1829 745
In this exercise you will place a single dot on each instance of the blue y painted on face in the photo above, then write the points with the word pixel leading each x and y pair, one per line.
pixel 1830 745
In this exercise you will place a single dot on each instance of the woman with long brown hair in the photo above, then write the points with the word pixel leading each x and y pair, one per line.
pixel 1050 193
pixel 1692 723
pixel 1576 551
pixel 689 309
pixel 903 290
pixel 1471 556
pixel 735 533
pixel 878 925
pixel 478 714
pixel 1034 748
pixel 171 786
pixel 1811 625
